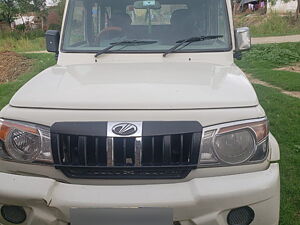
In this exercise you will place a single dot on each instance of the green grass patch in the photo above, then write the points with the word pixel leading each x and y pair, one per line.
pixel 42 61
pixel 22 45
pixel 22 41
pixel 272 24
pixel 284 115
pixel 261 61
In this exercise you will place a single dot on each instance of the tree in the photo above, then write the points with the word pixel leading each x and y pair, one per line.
pixel 8 10
pixel 59 8
pixel 39 7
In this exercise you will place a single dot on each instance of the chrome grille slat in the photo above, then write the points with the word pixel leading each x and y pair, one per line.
pixel 116 157
pixel 97 151
pixel 58 148
pixel 138 151
pixel 110 151
pixel 181 148
pixel 124 151
pixel 153 149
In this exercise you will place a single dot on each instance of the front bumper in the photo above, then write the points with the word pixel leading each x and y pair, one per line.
pixel 203 201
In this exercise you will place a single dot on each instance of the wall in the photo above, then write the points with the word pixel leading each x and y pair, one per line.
pixel 282 7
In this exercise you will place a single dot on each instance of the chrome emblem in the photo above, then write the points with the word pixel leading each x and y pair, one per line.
pixel 124 129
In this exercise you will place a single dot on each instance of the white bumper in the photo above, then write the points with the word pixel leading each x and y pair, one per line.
pixel 203 201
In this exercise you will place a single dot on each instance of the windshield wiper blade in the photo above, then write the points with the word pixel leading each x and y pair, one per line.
pixel 125 43
pixel 188 41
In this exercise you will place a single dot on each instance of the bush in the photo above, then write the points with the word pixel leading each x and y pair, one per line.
pixel 21 27
pixel 273 54
pixel 54 27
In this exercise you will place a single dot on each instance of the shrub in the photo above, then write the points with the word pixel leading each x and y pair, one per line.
pixel 21 27
pixel 54 27
pixel 273 55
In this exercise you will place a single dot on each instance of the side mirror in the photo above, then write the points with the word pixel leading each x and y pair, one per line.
pixel 52 41
pixel 242 39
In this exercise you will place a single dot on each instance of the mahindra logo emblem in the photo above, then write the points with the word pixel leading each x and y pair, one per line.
pixel 124 129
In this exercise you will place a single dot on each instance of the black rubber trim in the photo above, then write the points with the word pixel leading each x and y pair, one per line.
pixel 80 128
pixel 125 173
pixel 162 128
pixel 150 128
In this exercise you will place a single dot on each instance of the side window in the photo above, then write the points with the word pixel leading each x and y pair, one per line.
pixel 78 24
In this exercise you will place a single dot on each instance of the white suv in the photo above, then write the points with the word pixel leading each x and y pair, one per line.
pixel 145 109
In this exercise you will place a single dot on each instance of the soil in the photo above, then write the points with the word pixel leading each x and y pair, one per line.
pixel 294 68
pixel 12 65
pixel 277 39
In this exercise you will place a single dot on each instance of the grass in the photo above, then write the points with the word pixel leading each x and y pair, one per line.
pixel 22 45
pixel 284 115
pixel 42 61
pixel 22 41
pixel 261 61
pixel 272 24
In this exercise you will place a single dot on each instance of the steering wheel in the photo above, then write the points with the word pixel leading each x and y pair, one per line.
pixel 109 33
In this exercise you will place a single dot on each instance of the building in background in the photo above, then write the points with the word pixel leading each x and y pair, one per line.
pixel 282 7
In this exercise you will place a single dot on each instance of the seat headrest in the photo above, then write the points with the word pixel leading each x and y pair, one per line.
pixel 120 20
pixel 179 15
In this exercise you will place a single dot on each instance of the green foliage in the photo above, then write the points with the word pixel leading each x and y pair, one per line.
pixel 274 55
pixel 261 61
pixel 18 34
pixel 275 25
pixel 22 41
pixel 22 45
pixel 54 27
pixel 8 10
pixel 21 27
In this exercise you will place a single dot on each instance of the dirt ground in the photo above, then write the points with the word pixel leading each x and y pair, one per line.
pixel 12 65
pixel 295 94
pixel 294 68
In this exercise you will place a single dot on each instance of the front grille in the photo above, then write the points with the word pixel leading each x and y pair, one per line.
pixel 89 156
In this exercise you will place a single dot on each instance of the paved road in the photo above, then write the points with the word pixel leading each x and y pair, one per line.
pixel 279 39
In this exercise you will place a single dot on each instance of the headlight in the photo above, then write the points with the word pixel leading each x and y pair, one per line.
pixel 25 142
pixel 234 143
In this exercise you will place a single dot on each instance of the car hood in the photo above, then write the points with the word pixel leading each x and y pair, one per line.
pixel 188 85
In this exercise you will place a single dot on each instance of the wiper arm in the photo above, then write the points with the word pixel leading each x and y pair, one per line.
pixel 188 41
pixel 125 43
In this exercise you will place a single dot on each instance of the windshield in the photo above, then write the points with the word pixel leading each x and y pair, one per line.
pixel 92 25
